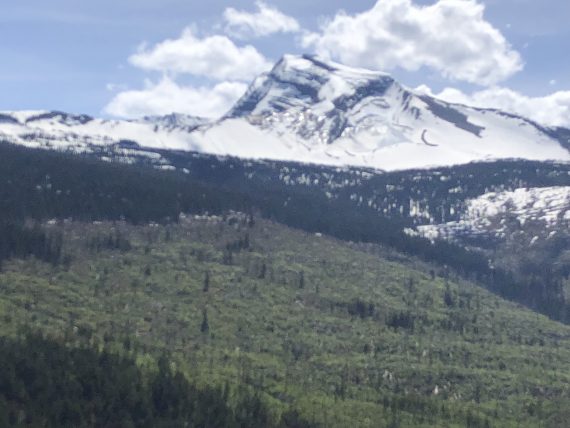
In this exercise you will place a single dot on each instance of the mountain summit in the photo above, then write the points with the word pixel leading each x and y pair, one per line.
pixel 310 110
pixel 324 112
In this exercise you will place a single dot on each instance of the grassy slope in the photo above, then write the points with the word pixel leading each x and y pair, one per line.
pixel 282 316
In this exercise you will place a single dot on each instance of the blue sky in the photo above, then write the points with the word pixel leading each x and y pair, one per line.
pixel 79 56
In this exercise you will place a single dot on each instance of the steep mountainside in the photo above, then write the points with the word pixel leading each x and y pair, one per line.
pixel 143 262
pixel 320 112
pixel 311 111
pixel 349 337
pixel 348 203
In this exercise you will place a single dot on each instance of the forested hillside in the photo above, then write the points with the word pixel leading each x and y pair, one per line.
pixel 47 383
pixel 202 226
pixel 139 269
pixel 342 334
pixel 44 185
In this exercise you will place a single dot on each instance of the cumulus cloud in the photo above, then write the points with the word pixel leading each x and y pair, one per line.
pixel 267 20
pixel 214 57
pixel 450 36
pixel 550 110
pixel 167 96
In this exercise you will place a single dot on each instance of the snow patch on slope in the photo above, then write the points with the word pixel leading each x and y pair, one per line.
pixel 494 213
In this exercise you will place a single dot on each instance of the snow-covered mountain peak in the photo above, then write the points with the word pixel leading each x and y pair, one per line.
pixel 175 120
pixel 318 101
pixel 311 83
pixel 317 68
pixel 24 117
pixel 310 110
pixel 19 116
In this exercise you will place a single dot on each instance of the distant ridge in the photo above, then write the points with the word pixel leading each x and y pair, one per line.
pixel 310 110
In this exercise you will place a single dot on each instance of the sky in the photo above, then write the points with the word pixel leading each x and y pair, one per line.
pixel 130 58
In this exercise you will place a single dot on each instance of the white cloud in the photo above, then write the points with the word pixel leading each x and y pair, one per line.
pixel 450 36
pixel 167 97
pixel 267 20
pixel 215 57
pixel 550 110
pixel 113 87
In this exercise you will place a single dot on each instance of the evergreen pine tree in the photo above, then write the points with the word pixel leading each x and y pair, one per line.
pixel 205 327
